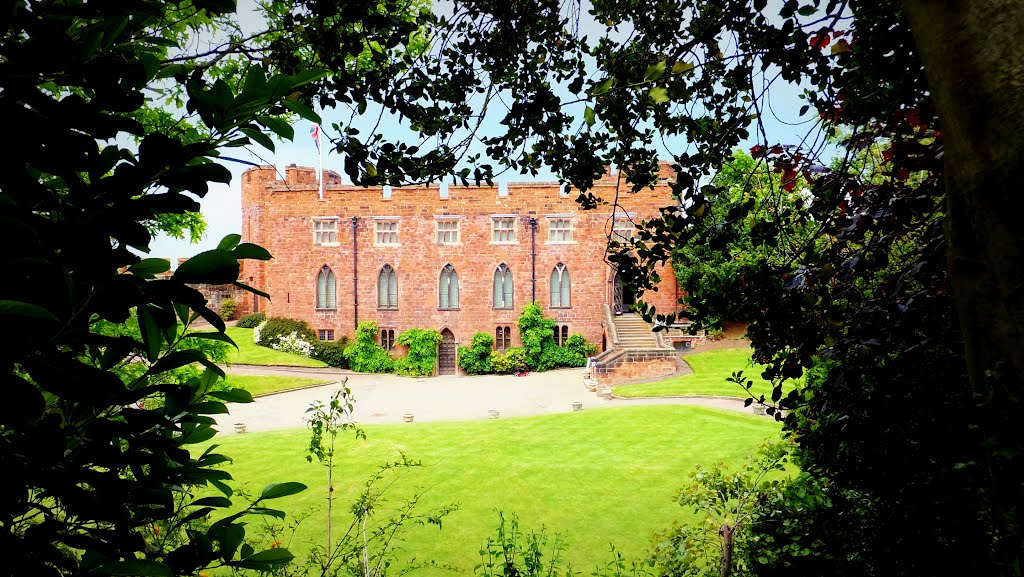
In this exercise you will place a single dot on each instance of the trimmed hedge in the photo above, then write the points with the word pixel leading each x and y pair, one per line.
pixel 251 321
pixel 278 327
pixel 331 352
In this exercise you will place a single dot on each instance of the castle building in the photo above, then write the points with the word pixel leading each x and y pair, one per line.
pixel 460 260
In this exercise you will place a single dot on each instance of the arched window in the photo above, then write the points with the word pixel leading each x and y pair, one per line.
pixel 325 290
pixel 560 287
pixel 448 288
pixel 387 288
pixel 503 287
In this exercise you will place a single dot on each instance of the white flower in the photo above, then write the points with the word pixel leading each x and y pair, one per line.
pixel 256 332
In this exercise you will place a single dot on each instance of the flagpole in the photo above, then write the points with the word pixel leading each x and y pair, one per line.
pixel 320 150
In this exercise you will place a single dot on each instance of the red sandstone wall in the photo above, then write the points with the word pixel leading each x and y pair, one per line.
pixel 279 216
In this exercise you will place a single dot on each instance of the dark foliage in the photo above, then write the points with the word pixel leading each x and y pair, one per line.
pixel 278 327
pixel 331 352
pixel 251 321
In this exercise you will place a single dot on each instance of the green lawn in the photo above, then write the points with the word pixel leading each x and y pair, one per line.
pixel 710 370
pixel 262 385
pixel 249 353
pixel 599 477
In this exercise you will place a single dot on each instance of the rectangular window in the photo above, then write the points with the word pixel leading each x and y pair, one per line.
pixel 503 229
pixel 387 232
pixel 560 230
pixel 447 232
pixel 387 339
pixel 503 338
pixel 325 232
pixel 622 229
pixel 326 334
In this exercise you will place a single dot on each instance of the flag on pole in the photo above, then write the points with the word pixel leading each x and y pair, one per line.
pixel 314 131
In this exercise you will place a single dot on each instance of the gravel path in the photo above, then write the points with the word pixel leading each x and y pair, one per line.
pixel 385 398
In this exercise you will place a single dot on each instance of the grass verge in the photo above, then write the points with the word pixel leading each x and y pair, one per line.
pixel 598 477
pixel 710 370
pixel 249 353
pixel 263 385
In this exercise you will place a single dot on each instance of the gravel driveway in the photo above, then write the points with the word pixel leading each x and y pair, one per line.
pixel 385 398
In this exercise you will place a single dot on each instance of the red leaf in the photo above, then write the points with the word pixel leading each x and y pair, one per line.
pixel 820 40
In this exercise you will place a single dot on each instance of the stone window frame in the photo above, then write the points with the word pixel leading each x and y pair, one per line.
pixel 389 302
pixel 561 229
pixel 325 334
pixel 502 338
pixel 497 230
pixel 448 230
pixel 387 339
pixel 503 299
pixel 448 278
pixel 321 228
pixel 561 287
pixel 378 233
pixel 617 220
pixel 326 290
pixel 561 334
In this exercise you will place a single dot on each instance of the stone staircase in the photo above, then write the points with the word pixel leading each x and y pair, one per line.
pixel 636 352
pixel 634 332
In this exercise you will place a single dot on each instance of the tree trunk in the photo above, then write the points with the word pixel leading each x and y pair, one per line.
pixel 971 50
pixel 725 532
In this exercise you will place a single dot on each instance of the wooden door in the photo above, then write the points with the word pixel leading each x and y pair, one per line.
pixel 446 354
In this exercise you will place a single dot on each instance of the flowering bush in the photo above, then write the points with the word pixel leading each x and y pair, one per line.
pixel 256 332
pixel 293 344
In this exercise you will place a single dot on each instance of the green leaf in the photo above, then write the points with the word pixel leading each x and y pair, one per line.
pixel 603 87
pixel 253 251
pixel 175 360
pixel 222 487
pixel 253 290
pixel 277 126
pixel 659 94
pixel 212 267
pixel 229 242
pixel 209 408
pixel 136 567
pixel 151 334
pixel 25 310
pixel 261 138
pixel 681 66
pixel 233 395
pixel 197 435
pixel 589 116
pixel 807 10
pixel 213 336
pixel 654 71
pixel 276 490
pixel 302 110
pixel 273 556
pixel 148 267
pixel 215 501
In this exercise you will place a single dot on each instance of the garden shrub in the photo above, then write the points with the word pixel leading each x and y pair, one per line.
pixel 365 355
pixel 511 361
pixel 422 356
pixel 577 351
pixel 277 327
pixel 251 321
pixel 228 307
pixel 476 358
pixel 537 333
pixel 331 352
pixel 294 344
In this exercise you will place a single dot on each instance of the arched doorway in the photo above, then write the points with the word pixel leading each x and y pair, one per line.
pixel 622 297
pixel 446 354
